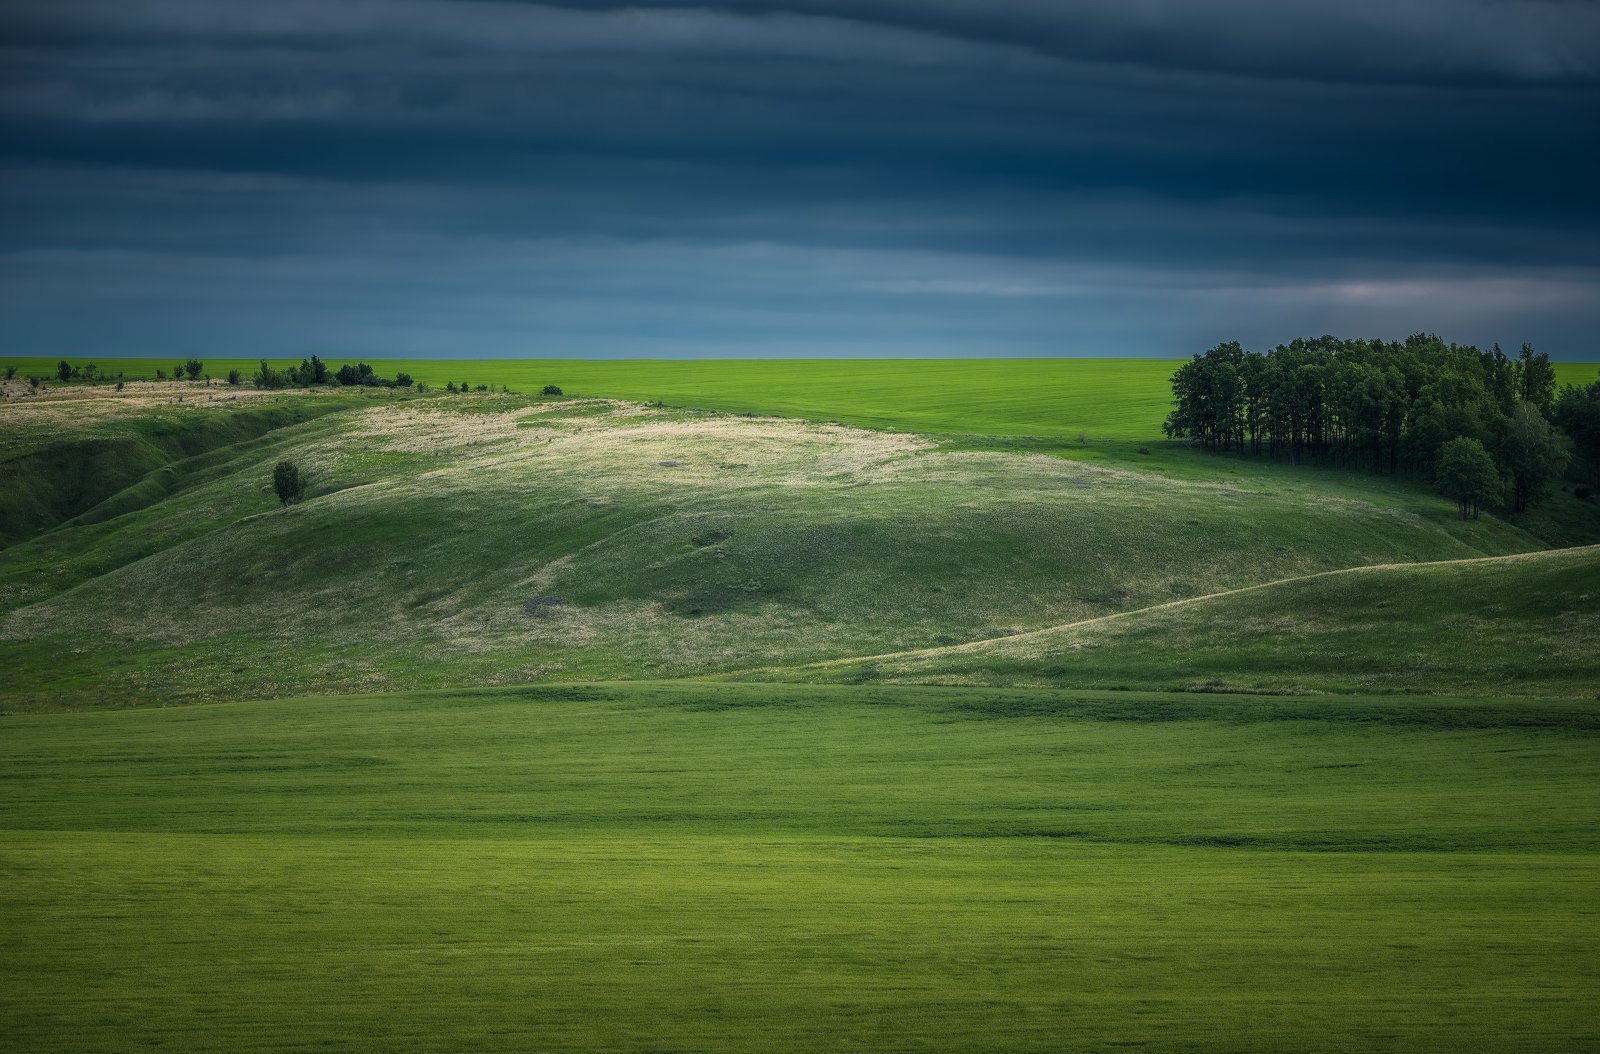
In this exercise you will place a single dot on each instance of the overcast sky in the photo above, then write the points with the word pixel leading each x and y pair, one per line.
pixel 462 178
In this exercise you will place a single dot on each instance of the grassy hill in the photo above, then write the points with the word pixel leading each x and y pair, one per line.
pixel 1520 625
pixel 505 539
pixel 64 456
pixel 756 867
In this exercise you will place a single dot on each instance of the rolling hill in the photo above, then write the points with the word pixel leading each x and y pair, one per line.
pixel 1526 625
pixel 502 539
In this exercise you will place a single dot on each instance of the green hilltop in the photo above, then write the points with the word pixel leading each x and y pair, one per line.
pixel 501 539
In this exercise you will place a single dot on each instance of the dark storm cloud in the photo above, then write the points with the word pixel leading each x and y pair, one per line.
pixel 468 177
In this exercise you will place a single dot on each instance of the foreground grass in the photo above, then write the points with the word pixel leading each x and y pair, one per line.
pixel 671 866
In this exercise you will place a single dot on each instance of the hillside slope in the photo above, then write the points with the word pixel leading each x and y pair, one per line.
pixel 1525 625
pixel 501 540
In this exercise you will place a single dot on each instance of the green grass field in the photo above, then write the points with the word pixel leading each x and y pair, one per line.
pixel 1511 626
pixel 568 725
pixel 708 867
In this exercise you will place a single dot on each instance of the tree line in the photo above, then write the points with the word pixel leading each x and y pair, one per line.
pixel 314 371
pixel 310 372
pixel 1488 427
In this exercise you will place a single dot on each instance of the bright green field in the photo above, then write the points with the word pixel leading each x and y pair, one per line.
pixel 1110 398
pixel 1053 398
pixel 728 867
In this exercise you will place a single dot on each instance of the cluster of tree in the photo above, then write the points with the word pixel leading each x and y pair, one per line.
pixel 1395 406
pixel 314 371
pixel 1577 413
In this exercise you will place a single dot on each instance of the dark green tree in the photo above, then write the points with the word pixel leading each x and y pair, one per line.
pixel 1503 378
pixel 267 377
pixel 64 371
pixel 1577 413
pixel 1467 473
pixel 288 483
pixel 193 368
pixel 234 376
pixel 1538 379
pixel 310 371
pixel 551 389
pixel 1533 454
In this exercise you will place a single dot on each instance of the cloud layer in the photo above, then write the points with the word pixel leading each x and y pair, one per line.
pixel 470 177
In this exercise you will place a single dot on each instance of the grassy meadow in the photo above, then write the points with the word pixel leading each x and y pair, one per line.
pixel 736 867
pixel 1509 626
pixel 834 705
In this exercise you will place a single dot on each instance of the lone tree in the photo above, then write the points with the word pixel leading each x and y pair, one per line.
pixel 193 368
pixel 1534 455
pixel 288 482
pixel 551 389
pixel 1467 474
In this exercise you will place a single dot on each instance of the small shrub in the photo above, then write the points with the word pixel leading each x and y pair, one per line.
pixel 268 377
pixel 234 376
pixel 551 389
pixel 287 482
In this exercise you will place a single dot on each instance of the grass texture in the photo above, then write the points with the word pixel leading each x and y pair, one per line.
pixel 1509 626
pixel 737 867
pixel 505 540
